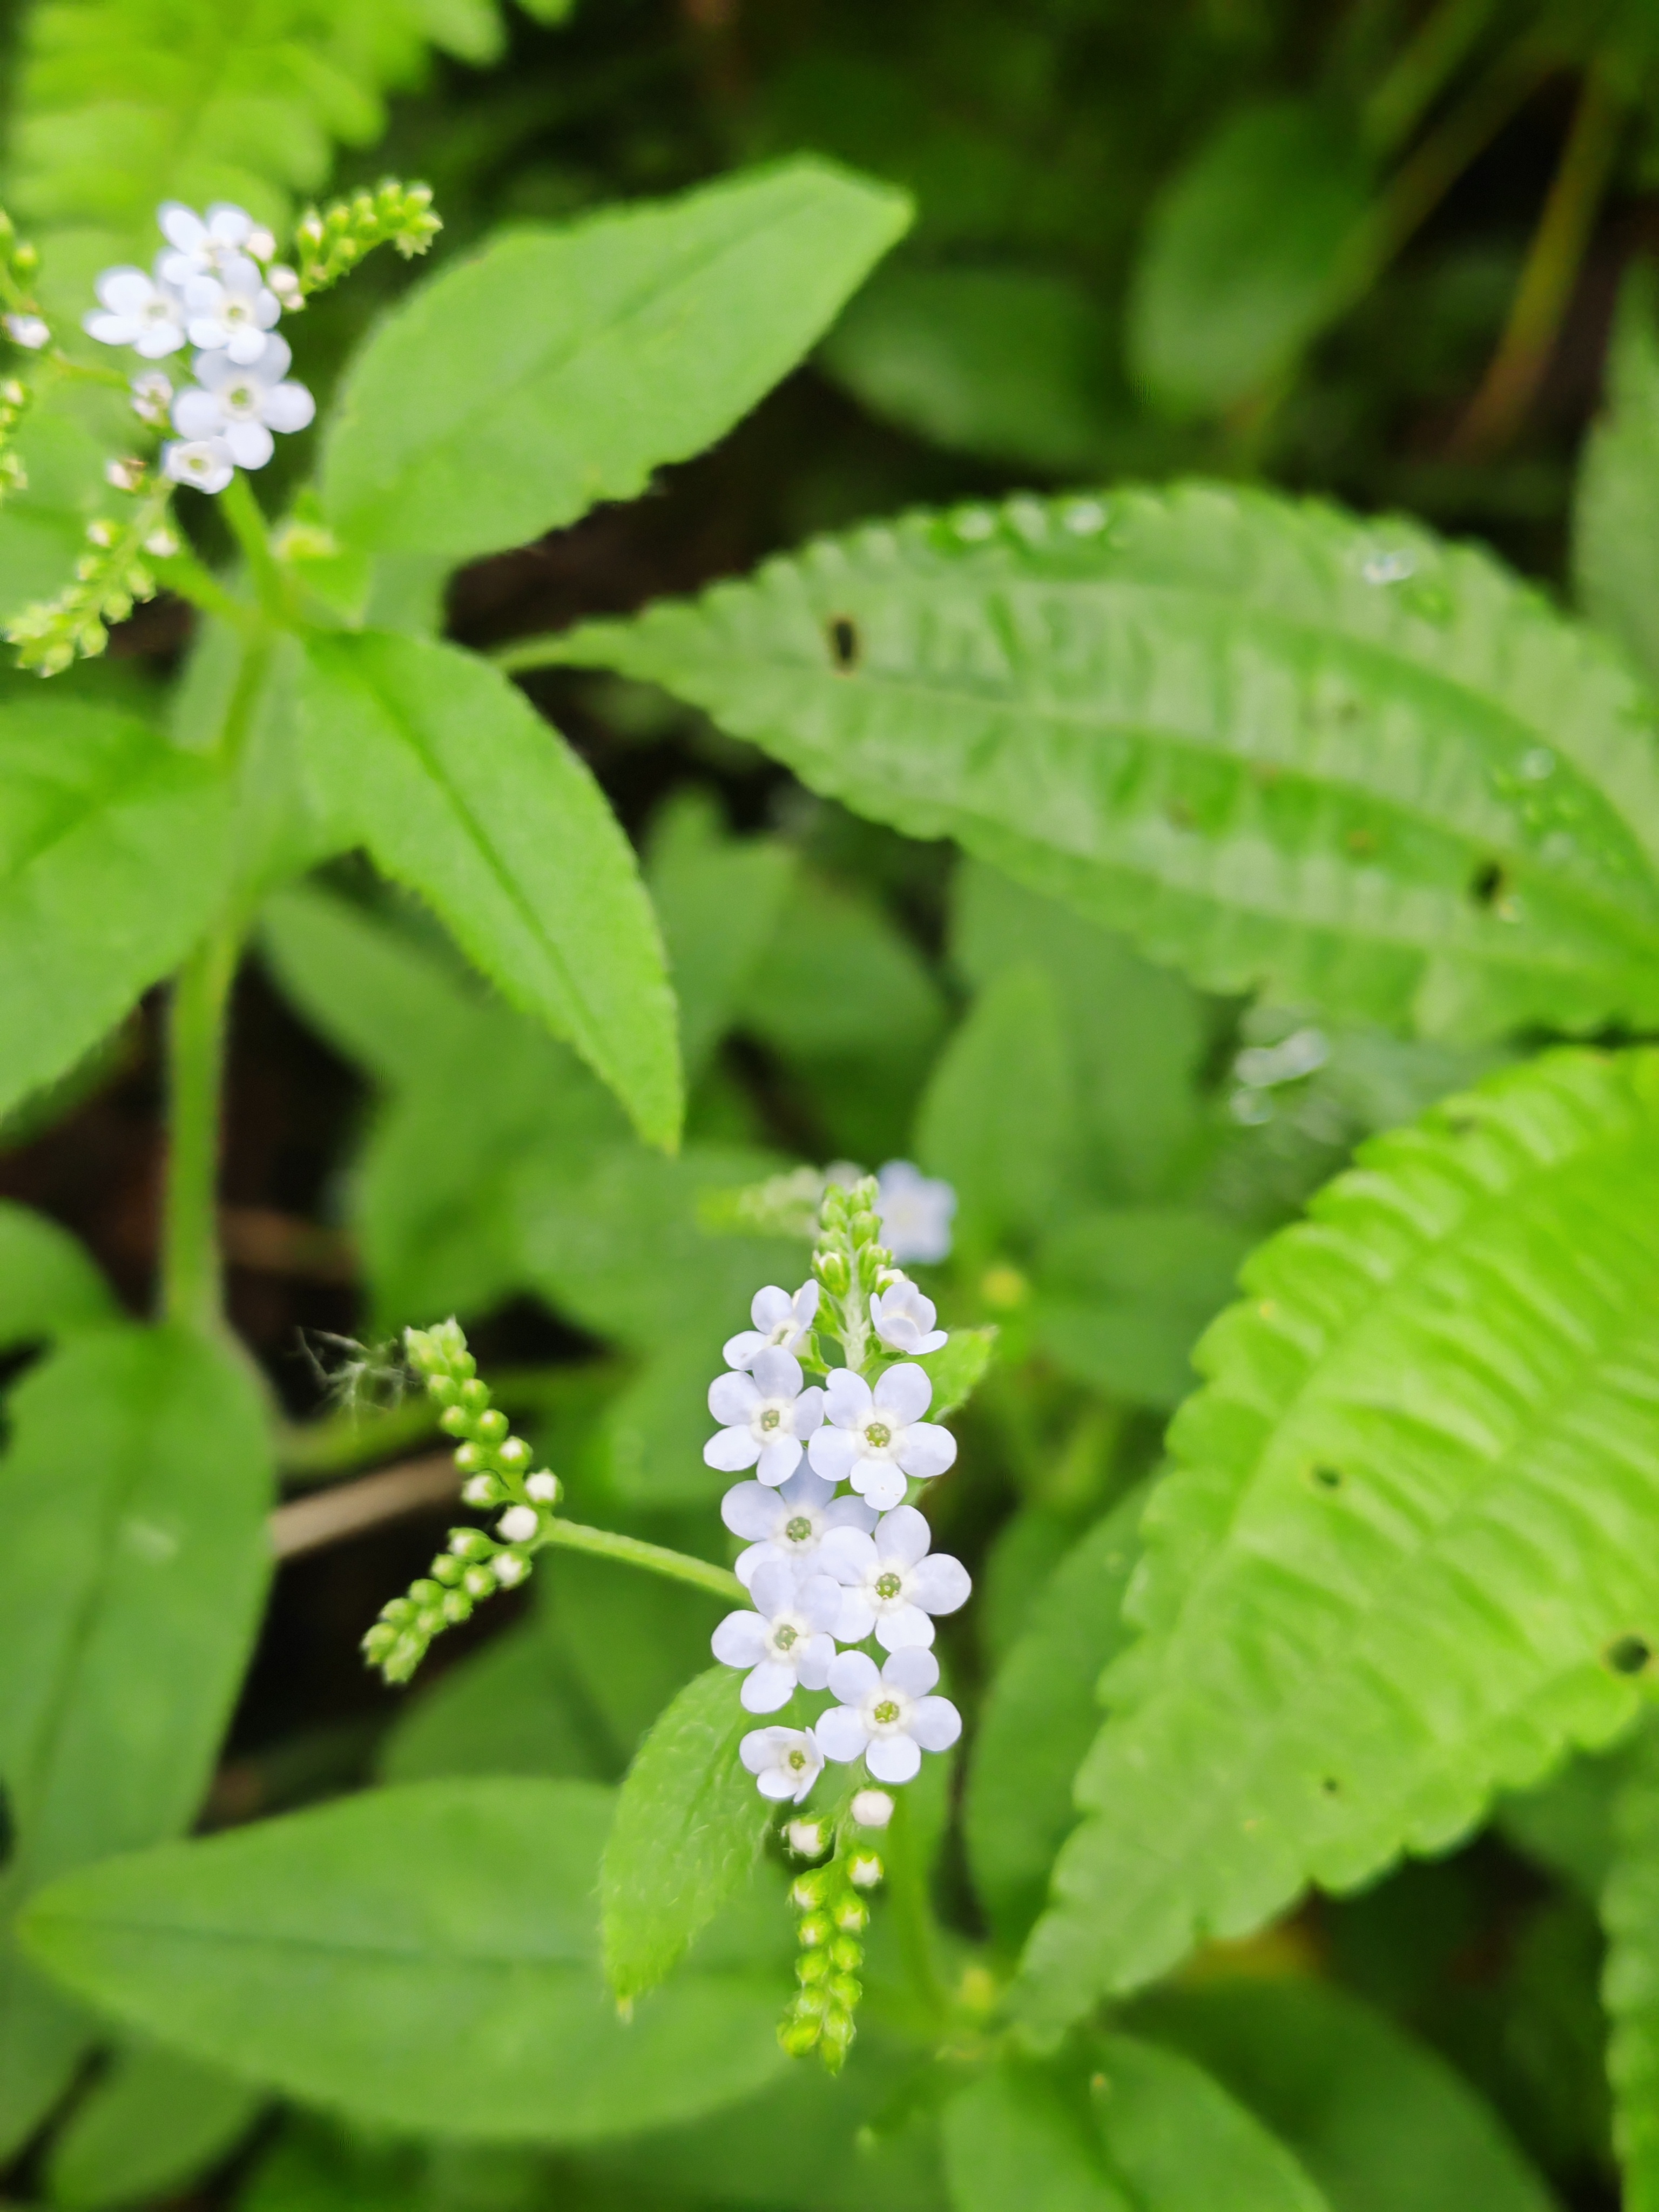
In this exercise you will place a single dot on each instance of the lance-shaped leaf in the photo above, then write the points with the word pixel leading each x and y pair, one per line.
pixel 458 789
pixel 48 1285
pixel 1630 1913
pixel 1275 745
pixel 133 1497
pixel 425 1957
pixel 112 857
pixel 592 355
pixel 1410 1550
pixel 1615 521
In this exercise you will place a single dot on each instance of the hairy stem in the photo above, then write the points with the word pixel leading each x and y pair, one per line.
pixel 190 1274
pixel 654 1559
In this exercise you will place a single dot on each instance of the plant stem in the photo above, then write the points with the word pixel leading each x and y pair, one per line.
pixel 241 511
pixel 655 1558
pixel 1416 80
pixel 191 1288
pixel 913 1917
pixel 1511 384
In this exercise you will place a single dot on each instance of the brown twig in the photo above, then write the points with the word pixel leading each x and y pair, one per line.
pixel 414 1486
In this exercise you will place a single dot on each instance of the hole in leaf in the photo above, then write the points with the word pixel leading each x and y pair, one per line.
pixel 8 1829
pixel 1627 1654
pixel 1461 1125
pixel 1331 1786
pixel 1178 814
pixel 1362 841
pixel 843 633
pixel 1489 884
pixel 1328 1477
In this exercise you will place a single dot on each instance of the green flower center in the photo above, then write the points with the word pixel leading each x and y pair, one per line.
pixel 879 1434
pixel 887 1711
pixel 786 1636
pixel 798 1529
pixel 770 1418
pixel 888 1585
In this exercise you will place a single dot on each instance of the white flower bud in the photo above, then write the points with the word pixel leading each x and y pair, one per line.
pixel 27 331
pixel 872 1809
pixel 481 1490
pixel 510 1569
pixel 808 1839
pixel 543 1487
pixel 864 1871
pixel 519 1524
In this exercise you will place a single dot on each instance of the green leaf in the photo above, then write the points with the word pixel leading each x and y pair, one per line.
pixel 1014 2138
pixel 999 1120
pixel 150 2124
pixel 1630 1987
pixel 1121 1298
pixel 111 860
pixel 1274 744
pixel 958 1368
pixel 1410 1550
pixel 1245 257
pixel 720 901
pixel 133 1497
pixel 458 789
pixel 1183 2144
pixel 632 1640
pixel 515 1707
pixel 689 1829
pixel 631 338
pixel 427 1957
pixel 1567 1826
pixel 48 1285
pixel 1013 364
pixel 1040 1718
pixel 1381 2122
pixel 1615 521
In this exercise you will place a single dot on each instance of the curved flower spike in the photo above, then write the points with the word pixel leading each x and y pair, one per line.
pixel 789 1523
pixel 766 1414
pixel 903 1318
pixel 888 1719
pixel 878 1438
pixel 779 1319
pixel 786 1642
pixel 892 1587
pixel 785 1762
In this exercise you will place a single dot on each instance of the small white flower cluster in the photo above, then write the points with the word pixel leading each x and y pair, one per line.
pixel 217 286
pixel 828 1568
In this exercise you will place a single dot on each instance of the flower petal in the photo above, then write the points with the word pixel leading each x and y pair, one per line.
pixel 813 1659
pixel 935 1723
pixel 834 1454
pixel 903 1536
pixel 197 413
pixel 125 291
pixel 777 1372
pixel 841 1735
pixel 849 1555
pixel 878 1481
pixel 733 1398
pixel 846 1398
pixel 940 1584
pixel 854 1675
pixel 769 1307
pixel 764 1747
pixel 774 1589
pixel 751 1512
pixel 740 1640
pixel 778 1460
pixel 251 444
pixel 856 1619
pixel 925 1448
pixel 850 1513
pixel 731 1450
pixel 110 330
pixel 806 1415
pixel 738 1351
pixel 907 1628
pixel 819 1602
pixel 181 226
pixel 807 1492
pixel 893 1758
pixel 771 1685
pixel 913 1672
pixel 287 407
pixel 903 1395
pixel 748 1564
pixel 777 1783
pixel 157 340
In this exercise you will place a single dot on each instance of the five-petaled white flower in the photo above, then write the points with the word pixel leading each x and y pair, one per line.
pixel 779 1319
pixel 785 1641
pixel 878 1438
pixel 204 462
pixel 766 1415
pixel 137 312
pixel 887 1718
pixel 789 1523
pixel 893 1584
pixel 903 1318
pixel 232 313
pixel 243 403
pixel 914 1211
pixel 206 246
pixel 785 1762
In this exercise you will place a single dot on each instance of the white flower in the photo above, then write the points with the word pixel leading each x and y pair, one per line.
pixel 915 1212
pixel 138 313
pixel 778 1319
pixel 244 401
pixel 878 1438
pixel 788 1522
pixel 204 462
pixel 285 283
pixel 518 1524
pixel 204 247
pixel 892 1586
pixel 152 396
pixel 785 1641
pixel 785 1762
pixel 28 330
pixel 766 1413
pixel 231 313
pixel 872 1809
pixel 888 1719
pixel 903 1318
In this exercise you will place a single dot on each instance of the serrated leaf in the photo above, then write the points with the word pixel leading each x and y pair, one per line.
pixel 316 1953
pixel 1014 2137
pixel 1183 2143
pixel 1245 257
pixel 1630 1987
pixel 111 860
pixel 629 339
pixel 133 1497
pixel 48 1285
pixel 1380 2122
pixel 1276 745
pixel 1040 1718
pixel 152 2123
pixel 1615 519
pixel 1410 1550
pixel 958 1368
pixel 689 1829
pixel 458 789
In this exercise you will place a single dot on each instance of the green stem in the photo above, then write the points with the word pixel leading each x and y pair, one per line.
pixel 1416 80
pixel 913 1916
pixel 191 1283
pixel 655 1558
pixel 184 575
pixel 241 511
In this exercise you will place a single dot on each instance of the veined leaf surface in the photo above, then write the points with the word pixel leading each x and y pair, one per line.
pixel 1275 743
pixel 1410 1550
